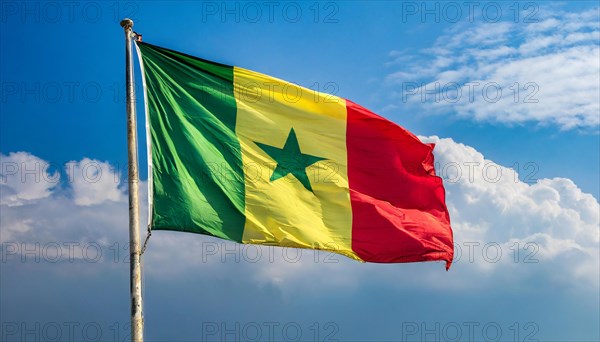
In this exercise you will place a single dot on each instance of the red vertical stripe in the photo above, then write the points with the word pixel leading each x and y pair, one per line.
pixel 398 207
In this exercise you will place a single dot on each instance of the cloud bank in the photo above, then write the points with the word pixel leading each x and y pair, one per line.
pixel 504 229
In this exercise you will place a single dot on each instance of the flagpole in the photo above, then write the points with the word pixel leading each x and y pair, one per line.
pixel 135 282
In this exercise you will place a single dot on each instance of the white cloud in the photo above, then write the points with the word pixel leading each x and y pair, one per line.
pixel 24 177
pixel 546 72
pixel 36 208
pixel 489 204
pixel 552 222
pixel 93 182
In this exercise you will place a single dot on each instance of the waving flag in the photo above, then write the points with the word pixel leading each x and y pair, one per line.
pixel 250 158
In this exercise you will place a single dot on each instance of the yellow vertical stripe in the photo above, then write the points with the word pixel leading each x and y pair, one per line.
pixel 283 212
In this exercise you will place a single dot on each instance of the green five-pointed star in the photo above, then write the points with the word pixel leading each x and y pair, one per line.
pixel 290 160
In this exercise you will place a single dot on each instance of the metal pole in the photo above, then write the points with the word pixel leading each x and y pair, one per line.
pixel 137 321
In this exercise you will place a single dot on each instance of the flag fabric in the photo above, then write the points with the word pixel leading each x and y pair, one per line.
pixel 254 159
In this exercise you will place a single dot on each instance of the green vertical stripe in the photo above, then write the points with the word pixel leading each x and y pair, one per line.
pixel 198 180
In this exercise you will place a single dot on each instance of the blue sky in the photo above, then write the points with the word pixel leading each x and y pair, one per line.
pixel 62 75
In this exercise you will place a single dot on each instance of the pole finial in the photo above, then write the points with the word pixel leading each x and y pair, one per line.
pixel 127 23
